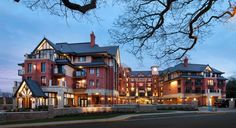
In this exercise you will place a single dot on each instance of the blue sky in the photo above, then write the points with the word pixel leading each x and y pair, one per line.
pixel 22 29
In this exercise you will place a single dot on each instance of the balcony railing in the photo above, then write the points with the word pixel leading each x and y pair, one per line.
pixel 21 72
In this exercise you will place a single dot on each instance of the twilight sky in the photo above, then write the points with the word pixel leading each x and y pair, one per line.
pixel 22 29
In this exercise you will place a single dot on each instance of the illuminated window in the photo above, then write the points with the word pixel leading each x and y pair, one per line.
pixel 140 84
pixel 210 82
pixel 132 88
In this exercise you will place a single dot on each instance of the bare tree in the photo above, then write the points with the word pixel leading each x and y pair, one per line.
pixel 168 29
pixel 62 7
pixel 163 29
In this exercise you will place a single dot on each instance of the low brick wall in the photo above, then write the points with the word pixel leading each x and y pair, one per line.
pixel 6 106
pixel 151 108
pixel 176 107
pixel 67 111
pixel 18 116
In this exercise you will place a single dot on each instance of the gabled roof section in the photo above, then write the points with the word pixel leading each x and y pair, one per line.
pixel 47 41
pixel 191 68
pixel 34 88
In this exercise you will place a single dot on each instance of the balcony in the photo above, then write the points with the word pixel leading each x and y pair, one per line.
pixel 59 72
pixel 80 89
pixel 21 72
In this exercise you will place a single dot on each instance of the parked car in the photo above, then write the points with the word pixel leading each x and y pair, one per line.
pixel 222 103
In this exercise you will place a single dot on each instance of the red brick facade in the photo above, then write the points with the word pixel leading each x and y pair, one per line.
pixel 95 77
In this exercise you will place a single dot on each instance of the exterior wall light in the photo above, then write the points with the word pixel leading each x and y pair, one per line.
pixel 34 66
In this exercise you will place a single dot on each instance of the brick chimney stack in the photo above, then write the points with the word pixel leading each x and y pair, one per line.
pixel 186 61
pixel 92 39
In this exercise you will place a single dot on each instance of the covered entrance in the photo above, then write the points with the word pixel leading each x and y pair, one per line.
pixel 29 95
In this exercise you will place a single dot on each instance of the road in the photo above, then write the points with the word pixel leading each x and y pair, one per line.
pixel 214 120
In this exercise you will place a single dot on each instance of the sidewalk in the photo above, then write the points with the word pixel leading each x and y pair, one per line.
pixel 216 110
pixel 118 118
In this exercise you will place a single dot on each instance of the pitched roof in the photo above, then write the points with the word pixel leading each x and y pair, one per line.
pixel 34 88
pixel 145 73
pixel 191 68
pixel 83 48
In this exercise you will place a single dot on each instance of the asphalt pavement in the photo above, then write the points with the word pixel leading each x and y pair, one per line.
pixel 197 120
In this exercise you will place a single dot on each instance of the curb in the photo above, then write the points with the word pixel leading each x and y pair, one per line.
pixel 118 118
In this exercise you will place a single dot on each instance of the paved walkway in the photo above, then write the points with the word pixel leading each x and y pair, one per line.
pixel 118 118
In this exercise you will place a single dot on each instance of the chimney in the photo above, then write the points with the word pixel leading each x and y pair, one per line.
pixel 186 61
pixel 92 39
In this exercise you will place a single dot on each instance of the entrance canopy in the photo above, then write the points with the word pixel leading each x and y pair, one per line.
pixel 29 88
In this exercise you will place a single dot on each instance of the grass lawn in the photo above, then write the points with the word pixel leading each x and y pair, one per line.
pixel 70 117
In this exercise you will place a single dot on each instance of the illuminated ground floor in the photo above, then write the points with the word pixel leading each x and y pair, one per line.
pixel 206 99
pixel 136 100
pixel 31 95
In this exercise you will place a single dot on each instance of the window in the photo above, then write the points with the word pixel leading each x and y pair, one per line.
pixel 198 82
pixel 81 84
pixel 97 71
pixel 179 89
pixel 91 71
pixel 82 59
pixel 61 69
pixel 208 74
pixel 210 82
pixel 97 83
pixel 43 67
pixel 198 90
pixel 29 77
pixel 80 73
pixel 179 82
pixel 132 89
pixel 43 80
pixel 29 68
pixel 188 90
pixel 91 83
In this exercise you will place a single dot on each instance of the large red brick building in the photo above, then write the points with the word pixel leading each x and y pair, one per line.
pixel 186 82
pixel 85 74
pixel 64 74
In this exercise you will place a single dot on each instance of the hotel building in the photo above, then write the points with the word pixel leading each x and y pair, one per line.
pixel 86 74
pixel 186 82
pixel 68 74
